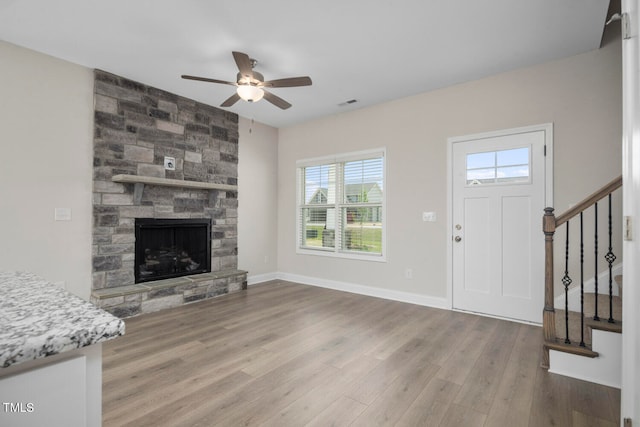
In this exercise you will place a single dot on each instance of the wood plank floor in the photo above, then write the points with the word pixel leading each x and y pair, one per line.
pixel 285 354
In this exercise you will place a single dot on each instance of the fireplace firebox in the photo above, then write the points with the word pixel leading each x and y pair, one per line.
pixel 167 248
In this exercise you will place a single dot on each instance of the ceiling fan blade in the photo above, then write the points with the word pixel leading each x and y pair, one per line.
pixel 276 100
pixel 244 63
pixel 231 100
pixel 204 79
pixel 288 82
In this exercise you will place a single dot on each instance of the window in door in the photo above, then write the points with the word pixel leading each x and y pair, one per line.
pixel 496 167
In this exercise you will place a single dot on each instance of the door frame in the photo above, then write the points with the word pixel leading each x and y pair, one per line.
pixel 547 128
pixel 630 405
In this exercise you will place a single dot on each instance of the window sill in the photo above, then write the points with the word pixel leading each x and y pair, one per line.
pixel 343 255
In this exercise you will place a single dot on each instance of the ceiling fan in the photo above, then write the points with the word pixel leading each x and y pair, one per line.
pixel 251 85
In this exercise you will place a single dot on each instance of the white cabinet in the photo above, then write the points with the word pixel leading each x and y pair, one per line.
pixel 61 390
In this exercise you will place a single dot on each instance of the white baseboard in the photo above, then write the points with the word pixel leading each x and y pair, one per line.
pixel 371 291
pixel 260 278
pixel 589 287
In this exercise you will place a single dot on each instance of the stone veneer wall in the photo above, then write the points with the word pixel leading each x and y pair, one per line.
pixel 136 126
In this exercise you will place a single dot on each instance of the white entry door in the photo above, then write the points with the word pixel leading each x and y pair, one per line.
pixel 498 201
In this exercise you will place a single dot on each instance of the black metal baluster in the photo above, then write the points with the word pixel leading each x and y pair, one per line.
pixel 566 281
pixel 595 244
pixel 581 284
pixel 610 257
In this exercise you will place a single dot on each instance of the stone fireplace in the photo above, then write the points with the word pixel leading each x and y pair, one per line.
pixel 136 129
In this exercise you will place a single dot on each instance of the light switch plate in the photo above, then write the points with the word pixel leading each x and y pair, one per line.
pixel 429 216
pixel 62 214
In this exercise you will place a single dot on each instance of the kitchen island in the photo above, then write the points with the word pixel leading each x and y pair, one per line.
pixel 50 353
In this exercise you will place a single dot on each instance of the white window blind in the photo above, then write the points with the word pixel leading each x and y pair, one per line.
pixel 341 205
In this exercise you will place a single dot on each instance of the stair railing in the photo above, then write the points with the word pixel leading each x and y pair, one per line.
pixel 549 225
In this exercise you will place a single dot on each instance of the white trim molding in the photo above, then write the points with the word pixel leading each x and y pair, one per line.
pixel 408 297
pixel 261 278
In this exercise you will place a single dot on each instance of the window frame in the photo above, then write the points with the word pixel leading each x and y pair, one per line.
pixel 496 167
pixel 340 203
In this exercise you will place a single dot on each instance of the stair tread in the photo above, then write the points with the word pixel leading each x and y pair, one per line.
pixel 573 348
pixel 604 325
pixel 589 311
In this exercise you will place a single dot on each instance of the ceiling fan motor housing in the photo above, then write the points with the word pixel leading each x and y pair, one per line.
pixel 254 80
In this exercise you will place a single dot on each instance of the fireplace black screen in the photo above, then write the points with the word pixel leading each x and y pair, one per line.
pixel 168 248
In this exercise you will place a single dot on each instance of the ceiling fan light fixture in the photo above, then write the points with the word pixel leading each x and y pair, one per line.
pixel 249 83
pixel 250 93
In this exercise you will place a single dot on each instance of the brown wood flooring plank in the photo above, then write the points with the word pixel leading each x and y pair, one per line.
pixel 614 399
pixel 458 416
pixel 513 398
pixel 368 389
pixel 393 402
pixel 284 354
pixel 584 420
pixel 592 400
pixel 306 408
pixel 430 407
pixel 481 385
pixel 466 353
pixel 341 413
pixel 551 401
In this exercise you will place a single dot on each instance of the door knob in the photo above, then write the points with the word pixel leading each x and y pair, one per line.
pixel 457 238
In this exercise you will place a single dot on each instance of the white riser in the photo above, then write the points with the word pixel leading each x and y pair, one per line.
pixel 605 369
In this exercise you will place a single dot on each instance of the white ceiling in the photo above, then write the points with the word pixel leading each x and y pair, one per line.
pixel 369 50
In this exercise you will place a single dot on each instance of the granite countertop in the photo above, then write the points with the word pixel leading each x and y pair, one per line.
pixel 39 319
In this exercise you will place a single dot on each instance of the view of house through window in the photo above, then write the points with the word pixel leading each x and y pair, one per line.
pixel 341 205
pixel 494 167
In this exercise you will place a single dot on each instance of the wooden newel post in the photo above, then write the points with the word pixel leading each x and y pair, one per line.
pixel 549 313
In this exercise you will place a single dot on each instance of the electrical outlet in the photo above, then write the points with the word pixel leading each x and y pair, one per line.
pixel 408 273
pixel 169 163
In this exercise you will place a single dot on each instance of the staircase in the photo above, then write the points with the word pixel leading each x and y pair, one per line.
pixel 583 328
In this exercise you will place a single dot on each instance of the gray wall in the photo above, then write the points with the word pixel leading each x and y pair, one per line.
pixel 47 132
pixel 46 120
pixel 580 95
pixel 257 210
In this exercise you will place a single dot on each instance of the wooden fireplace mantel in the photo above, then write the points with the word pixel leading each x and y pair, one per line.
pixel 140 182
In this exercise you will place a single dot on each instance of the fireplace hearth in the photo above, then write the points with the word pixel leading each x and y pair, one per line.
pixel 167 248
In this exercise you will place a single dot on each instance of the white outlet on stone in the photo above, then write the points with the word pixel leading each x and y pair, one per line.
pixel 170 163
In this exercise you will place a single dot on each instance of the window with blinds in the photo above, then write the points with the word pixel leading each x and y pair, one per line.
pixel 341 205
